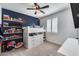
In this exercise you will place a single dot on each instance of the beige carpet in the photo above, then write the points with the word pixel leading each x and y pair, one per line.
pixel 45 49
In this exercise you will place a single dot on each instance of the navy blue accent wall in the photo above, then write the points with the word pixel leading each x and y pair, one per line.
pixel 28 20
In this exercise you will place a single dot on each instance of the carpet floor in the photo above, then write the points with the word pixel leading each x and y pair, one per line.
pixel 45 49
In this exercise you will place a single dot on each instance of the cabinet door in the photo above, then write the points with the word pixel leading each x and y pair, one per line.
pixel 30 42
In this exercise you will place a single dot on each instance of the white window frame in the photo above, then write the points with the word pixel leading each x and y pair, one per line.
pixel 52 25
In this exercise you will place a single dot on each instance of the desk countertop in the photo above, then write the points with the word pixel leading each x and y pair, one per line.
pixel 70 47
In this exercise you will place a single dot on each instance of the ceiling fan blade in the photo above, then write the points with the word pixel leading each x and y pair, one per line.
pixel 42 11
pixel 47 6
pixel 31 8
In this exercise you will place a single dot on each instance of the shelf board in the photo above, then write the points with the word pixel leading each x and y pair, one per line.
pixel 13 39
pixel 11 33
pixel 11 27
pixel 16 38
pixel 13 21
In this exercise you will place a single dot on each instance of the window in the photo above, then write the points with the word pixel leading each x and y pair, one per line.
pixel 52 25
pixel 48 25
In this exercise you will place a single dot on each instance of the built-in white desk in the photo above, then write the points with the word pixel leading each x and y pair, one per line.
pixel 70 47
pixel 33 37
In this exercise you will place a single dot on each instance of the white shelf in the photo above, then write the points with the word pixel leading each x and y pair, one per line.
pixel 34 30
pixel 13 21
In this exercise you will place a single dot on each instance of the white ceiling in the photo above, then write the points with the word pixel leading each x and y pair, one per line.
pixel 22 8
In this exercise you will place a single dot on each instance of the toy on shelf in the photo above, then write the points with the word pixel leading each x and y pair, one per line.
pixel 10 45
pixel 19 44
pixel 6 17
pixel 12 37
pixel 5 24
pixel 0 46
pixel 12 31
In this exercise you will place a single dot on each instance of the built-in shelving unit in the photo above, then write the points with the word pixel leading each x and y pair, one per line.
pixel 14 32
pixel 11 28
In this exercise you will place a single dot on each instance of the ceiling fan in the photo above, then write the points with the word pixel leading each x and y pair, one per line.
pixel 38 8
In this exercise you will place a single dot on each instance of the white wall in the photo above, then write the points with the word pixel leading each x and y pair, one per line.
pixel 65 26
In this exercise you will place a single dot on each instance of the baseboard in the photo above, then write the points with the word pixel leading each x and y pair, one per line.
pixel 53 43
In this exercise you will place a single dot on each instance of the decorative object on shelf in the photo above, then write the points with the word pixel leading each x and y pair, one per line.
pixel 1 38
pixel 0 46
pixel 5 24
pixel 12 31
pixel 6 17
pixel 14 20
pixel 20 20
pixel 10 45
pixel 19 44
pixel 12 37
